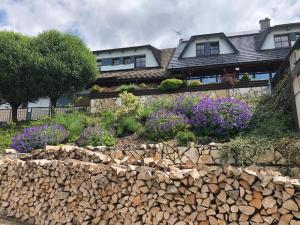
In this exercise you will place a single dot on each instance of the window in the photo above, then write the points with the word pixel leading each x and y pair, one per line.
pixel 99 62
pixel 297 36
pixel 115 61
pixel 282 41
pixel 206 49
pixel 127 60
pixel 140 62
pixel 200 49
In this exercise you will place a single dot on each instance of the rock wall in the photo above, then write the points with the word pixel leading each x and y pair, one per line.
pixel 102 190
pixel 99 104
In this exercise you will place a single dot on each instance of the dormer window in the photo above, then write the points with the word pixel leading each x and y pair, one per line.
pixel 282 41
pixel 115 61
pixel 207 49
pixel 140 62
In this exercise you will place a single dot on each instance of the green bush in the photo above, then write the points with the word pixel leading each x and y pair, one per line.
pixel 127 87
pixel 130 106
pixel 96 89
pixel 183 137
pixel 127 126
pixel 164 102
pixel 171 84
pixel 108 119
pixel 194 83
pixel 74 122
pixel 143 86
pixel 245 77
pixel 108 140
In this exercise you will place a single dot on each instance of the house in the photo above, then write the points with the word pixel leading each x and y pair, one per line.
pixel 138 64
pixel 205 57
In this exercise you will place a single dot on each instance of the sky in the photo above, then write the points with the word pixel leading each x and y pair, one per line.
pixel 104 24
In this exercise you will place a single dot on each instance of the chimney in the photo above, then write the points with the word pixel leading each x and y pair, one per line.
pixel 264 24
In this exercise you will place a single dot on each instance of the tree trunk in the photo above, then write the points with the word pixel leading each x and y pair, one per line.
pixel 53 101
pixel 14 113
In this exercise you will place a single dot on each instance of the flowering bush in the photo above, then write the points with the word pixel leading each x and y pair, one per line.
pixel 95 136
pixel 164 124
pixel 221 116
pixel 185 104
pixel 39 136
pixel 91 135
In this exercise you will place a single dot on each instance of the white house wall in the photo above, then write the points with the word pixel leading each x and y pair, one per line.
pixel 269 41
pixel 225 48
pixel 150 59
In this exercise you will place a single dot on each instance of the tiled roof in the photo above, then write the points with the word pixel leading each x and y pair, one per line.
pixel 247 53
pixel 147 73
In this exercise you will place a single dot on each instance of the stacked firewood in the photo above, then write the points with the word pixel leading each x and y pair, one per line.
pixel 50 192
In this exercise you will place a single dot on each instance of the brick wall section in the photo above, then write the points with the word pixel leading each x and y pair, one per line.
pixel 107 191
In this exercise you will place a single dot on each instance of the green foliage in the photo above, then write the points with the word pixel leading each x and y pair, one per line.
pixel 194 83
pixel 183 137
pixel 171 84
pixel 108 140
pixel 245 77
pixel 20 77
pixel 96 89
pixel 127 88
pixel 272 129
pixel 67 66
pixel 143 86
pixel 164 102
pixel 130 105
pixel 73 122
pixel 108 119
pixel 128 125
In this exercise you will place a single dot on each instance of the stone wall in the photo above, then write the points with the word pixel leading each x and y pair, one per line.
pixel 104 103
pixel 92 188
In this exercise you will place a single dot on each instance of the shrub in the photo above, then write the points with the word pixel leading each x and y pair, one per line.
pixel 223 116
pixel 171 84
pixel 164 102
pixel 96 89
pixel 92 135
pixel 245 77
pixel 164 124
pixel 108 140
pixel 143 86
pixel 183 137
pixel 185 104
pixel 38 136
pixel 130 105
pixel 108 119
pixel 127 88
pixel 128 125
pixel 74 122
pixel 194 83
pixel 95 136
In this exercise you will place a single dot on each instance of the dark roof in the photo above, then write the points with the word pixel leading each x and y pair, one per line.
pixel 247 53
pixel 139 74
pixel 221 35
pixel 261 37
pixel 155 51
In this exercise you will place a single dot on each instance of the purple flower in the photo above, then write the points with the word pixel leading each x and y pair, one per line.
pixel 184 104
pixel 220 116
pixel 165 124
pixel 92 135
pixel 38 136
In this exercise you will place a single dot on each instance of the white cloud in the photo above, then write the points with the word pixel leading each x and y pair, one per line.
pixel 115 23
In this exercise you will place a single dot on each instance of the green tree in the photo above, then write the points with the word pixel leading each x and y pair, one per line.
pixel 68 65
pixel 19 71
